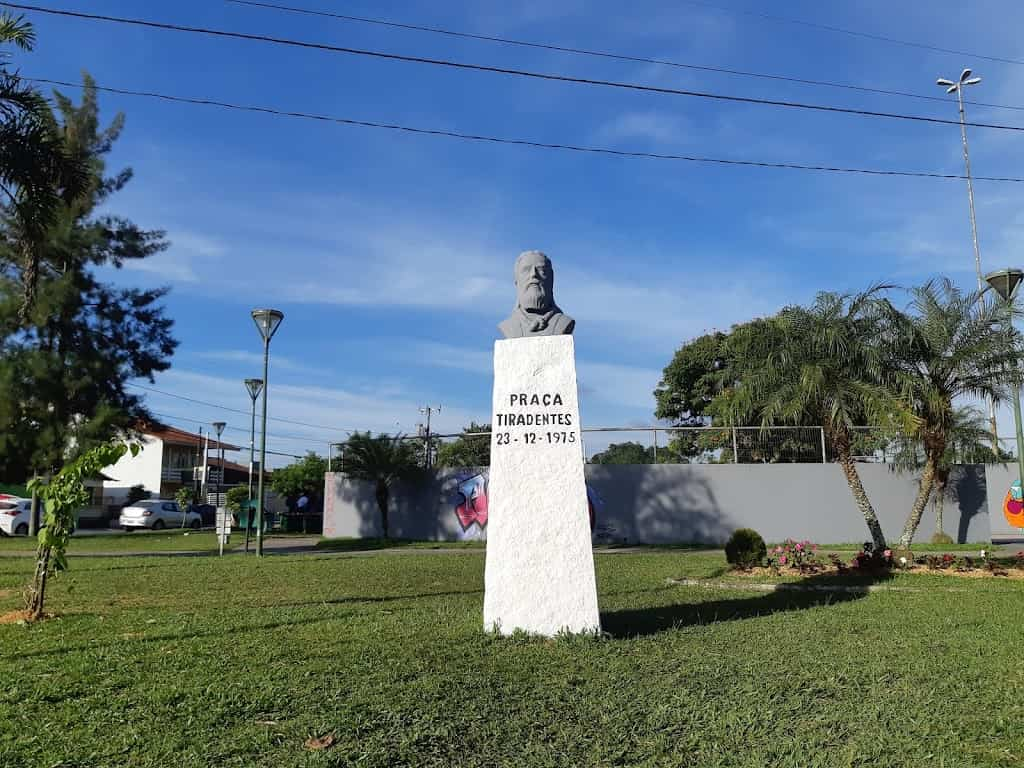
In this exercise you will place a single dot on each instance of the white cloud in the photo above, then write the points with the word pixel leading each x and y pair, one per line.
pixel 166 266
pixel 279 362
pixel 657 128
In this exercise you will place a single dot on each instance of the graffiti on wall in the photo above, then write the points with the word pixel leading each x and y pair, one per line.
pixel 1013 506
pixel 470 505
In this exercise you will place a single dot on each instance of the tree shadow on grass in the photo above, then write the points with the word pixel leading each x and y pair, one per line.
pixel 811 592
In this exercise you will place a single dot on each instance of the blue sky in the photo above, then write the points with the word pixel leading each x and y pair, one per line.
pixel 391 255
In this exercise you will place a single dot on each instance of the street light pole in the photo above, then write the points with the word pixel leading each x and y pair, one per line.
pixel 219 427
pixel 1005 282
pixel 254 386
pixel 957 87
pixel 267 321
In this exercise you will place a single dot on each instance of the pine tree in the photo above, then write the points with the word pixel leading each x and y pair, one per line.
pixel 65 364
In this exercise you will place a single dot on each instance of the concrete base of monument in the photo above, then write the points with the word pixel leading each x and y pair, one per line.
pixel 539 575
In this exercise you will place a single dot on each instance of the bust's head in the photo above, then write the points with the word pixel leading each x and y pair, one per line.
pixel 535 282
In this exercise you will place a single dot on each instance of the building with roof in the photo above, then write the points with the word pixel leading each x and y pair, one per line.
pixel 170 459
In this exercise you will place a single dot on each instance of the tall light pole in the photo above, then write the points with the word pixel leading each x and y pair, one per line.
pixel 958 88
pixel 254 386
pixel 267 322
pixel 218 426
pixel 1005 282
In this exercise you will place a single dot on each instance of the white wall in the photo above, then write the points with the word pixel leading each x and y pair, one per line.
pixel 143 469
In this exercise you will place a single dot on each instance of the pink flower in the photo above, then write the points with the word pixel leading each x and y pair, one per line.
pixel 799 547
pixel 887 553
pixel 782 560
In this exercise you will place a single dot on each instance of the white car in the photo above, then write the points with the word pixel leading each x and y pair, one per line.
pixel 158 514
pixel 14 516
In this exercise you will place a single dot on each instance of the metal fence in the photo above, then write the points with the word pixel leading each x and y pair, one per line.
pixel 712 445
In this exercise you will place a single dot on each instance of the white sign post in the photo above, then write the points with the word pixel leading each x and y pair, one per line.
pixel 539 574
pixel 223 527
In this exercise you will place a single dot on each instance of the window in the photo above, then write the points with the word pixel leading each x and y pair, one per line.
pixel 170 507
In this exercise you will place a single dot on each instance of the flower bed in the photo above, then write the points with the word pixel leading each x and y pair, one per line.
pixel 803 558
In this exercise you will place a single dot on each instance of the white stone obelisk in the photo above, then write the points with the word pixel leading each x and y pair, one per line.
pixel 539 575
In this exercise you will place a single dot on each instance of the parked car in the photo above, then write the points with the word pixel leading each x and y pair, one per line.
pixel 158 514
pixel 14 516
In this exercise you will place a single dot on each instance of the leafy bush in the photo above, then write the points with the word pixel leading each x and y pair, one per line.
pixel 184 496
pixel 745 548
pixel 236 497
pixel 942 538
pixel 801 555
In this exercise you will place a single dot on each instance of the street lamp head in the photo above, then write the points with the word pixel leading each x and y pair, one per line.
pixel 267 321
pixel 1005 282
pixel 964 75
pixel 972 81
pixel 255 386
pixel 219 427
pixel 944 82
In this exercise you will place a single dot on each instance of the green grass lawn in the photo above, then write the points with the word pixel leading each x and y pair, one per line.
pixel 139 541
pixel 232 662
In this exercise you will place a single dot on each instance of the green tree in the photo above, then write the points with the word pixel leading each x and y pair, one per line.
pixel 692 380
pixel 467 450
pixel 382 460
pixel 63 495
pixel 64 369
pixel 821 365
pixel 304 476
pixel 38 171
pixel 970 442
pixel 235 498
pixel 946 347
pixel 624 453
pixel 694 392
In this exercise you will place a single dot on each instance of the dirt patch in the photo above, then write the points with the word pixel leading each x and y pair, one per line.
pixel 13 617
pixel 8 593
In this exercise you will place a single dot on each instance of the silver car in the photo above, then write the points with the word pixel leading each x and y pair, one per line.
pixel 158 514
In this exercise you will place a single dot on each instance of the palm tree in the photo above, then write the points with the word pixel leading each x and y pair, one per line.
pixel 382 460
pixel 969 442
pixel 819 365
pixel 950 345
pixel 37 171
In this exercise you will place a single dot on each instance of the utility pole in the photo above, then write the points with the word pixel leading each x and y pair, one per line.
pixel 957 87
pixel 206 469
pixel 196 482
pixel 427 410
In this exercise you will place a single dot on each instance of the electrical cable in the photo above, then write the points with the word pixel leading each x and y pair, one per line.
pixel 524 142
pixel 852 32
pixel 508 71
pixel 604 54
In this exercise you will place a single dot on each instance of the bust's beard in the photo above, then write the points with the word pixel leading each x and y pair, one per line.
pixel 534 298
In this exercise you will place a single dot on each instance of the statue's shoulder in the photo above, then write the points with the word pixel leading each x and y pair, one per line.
pixel 509 327
pixel 562 324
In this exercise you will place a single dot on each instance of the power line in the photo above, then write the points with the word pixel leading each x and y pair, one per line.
pixel 852 32
pixel 236 410
pixel 525 142
pixel 602 54
pixel 243 430
pixel 507 71
pixel 172 417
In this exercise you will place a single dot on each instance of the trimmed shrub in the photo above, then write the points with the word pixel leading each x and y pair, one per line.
pixel 942 538
pixel 745 548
